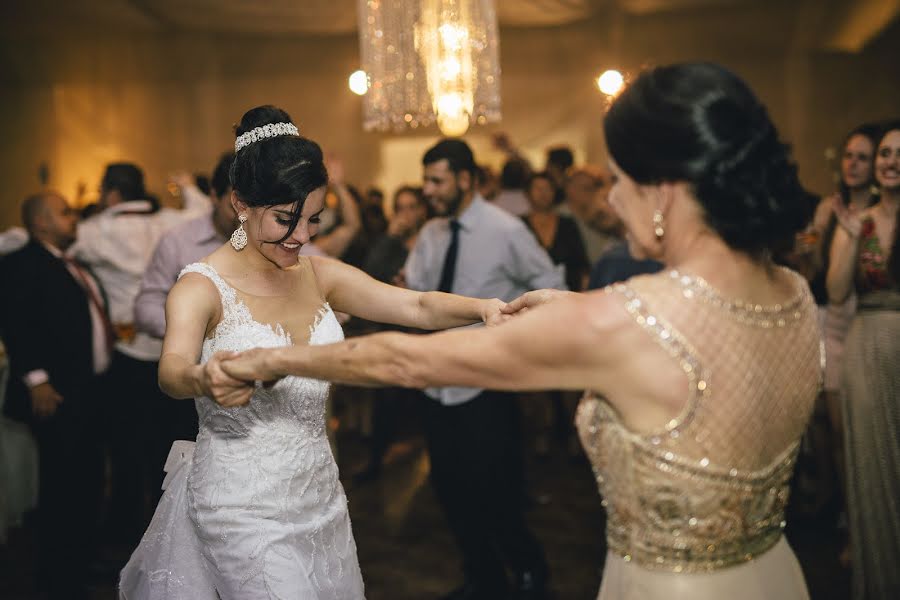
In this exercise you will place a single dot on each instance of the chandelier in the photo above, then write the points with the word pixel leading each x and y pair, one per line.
pixel 429 61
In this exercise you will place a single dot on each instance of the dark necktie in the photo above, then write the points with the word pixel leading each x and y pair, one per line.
pixel 449 269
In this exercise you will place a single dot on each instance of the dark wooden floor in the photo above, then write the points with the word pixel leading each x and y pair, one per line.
pixel 406 552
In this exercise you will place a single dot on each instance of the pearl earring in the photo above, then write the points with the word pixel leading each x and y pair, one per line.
pixel 239 237
pixel 658 224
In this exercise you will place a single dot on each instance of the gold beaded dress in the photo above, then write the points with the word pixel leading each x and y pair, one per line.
pixel 696 508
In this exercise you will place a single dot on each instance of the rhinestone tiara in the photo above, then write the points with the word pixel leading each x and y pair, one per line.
pixel 266 131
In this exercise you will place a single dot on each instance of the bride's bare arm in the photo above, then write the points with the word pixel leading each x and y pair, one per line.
pixel 351 291
pixel 193 304
pixel 567 344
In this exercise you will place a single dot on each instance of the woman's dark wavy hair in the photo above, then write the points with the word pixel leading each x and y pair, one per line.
pixel 277 170
pixel 701 124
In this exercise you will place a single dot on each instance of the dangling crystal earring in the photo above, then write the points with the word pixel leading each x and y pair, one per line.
pixel 239 236
pixel 658 224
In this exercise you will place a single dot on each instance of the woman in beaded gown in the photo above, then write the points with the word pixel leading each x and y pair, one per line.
pixel 702 377
pixel 255 509
pixel 865 255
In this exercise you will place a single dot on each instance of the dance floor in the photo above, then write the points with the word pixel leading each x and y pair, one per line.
pixel 406 552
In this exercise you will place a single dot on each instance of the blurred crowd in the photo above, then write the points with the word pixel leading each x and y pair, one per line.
pixel 86 429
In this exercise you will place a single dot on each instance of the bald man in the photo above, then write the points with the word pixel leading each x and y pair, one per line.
pixel 53 322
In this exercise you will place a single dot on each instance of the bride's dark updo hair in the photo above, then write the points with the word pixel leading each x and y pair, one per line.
pixel 276 170
pixel 699 123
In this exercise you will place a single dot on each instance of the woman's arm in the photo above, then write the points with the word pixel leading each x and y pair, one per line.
pixel 814 253
pixel 843 256
pixel 192 305
pixel 351 291
pixel 568 344
pixel 336 242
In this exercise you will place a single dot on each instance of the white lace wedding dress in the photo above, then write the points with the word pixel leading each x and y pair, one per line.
pixel 255 509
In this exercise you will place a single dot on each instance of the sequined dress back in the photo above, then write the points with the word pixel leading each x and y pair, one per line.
pixel 255 509
pixel 696 508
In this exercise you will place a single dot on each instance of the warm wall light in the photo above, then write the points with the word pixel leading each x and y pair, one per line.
pixel 359 83
pixel 611 82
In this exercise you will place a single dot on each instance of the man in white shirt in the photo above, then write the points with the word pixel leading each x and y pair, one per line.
pixel 117 244
pixel 477 249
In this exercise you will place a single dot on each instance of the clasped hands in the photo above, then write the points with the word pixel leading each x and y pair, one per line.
pixel 230 378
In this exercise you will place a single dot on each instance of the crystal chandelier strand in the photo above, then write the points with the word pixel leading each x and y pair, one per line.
pixel 429 61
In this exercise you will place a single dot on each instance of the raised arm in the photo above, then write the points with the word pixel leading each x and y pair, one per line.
pixel 195 202
pixel 350 290
pixel 336 242
pixel 842 259
pixel 193 305
pixel 527 353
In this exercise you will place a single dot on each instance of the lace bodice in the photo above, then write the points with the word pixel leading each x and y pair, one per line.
pixel 293 401
pixel 263 491
pixel 708 489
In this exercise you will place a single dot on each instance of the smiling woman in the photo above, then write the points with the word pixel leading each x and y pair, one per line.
pixel 267 515
pixel 865 258
pixel 701 379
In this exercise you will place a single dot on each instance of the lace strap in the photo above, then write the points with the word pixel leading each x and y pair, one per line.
pixel 226 292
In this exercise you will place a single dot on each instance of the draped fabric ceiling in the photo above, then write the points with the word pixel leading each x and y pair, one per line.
pixel 160 82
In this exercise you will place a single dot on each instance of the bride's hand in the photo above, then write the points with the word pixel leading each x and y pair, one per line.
pixel 217 384
pixel 492 312
pixel 252 365
pixel 533 299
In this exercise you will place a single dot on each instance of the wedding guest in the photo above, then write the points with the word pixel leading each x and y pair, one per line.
pixel 824 480
pixel 488 182
pixel 513 178
pixel 585 191
pixel 12 239
pixel 385 262
pixel 854 196
pixel 339 239
pixel 616 264
pixel 117 244
pixel 556 233
pixel 560 160
pixel 186 243
pixel 473 435
pixel 865 257
pixel 56 358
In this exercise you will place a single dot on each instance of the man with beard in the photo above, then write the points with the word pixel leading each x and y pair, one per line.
pixel 473 436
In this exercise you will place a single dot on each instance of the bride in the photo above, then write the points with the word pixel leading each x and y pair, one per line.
pixel 255 509
pixel 702 378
